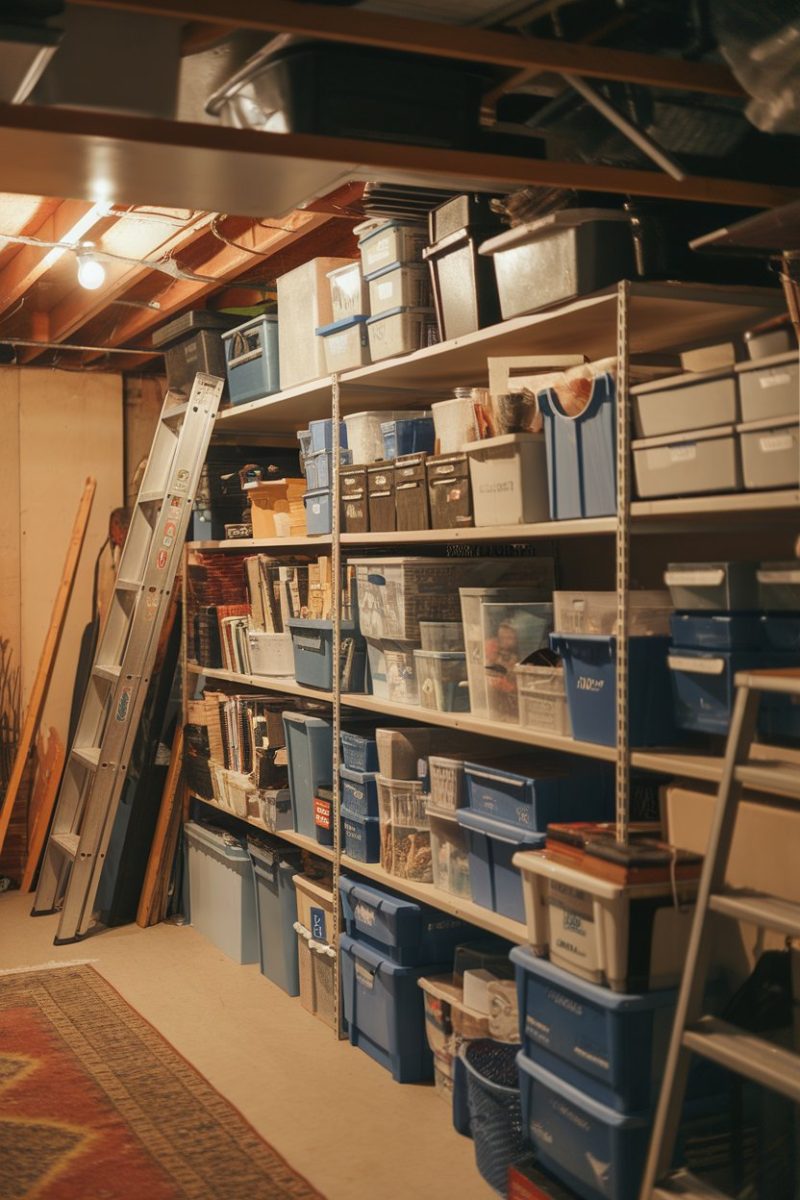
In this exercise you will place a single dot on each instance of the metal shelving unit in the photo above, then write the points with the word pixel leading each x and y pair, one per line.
pixel 632 318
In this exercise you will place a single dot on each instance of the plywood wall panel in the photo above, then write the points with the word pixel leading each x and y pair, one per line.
pixel 9 510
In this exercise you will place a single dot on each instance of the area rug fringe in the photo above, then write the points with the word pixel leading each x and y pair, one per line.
pixel 48 966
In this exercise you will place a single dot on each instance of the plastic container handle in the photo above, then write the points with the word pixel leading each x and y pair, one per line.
pixel 696 666
pixel 505 779
pixel 788 576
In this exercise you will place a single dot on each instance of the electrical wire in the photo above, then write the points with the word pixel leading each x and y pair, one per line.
pixel 214 227
pixel 166 265
pixel 7 316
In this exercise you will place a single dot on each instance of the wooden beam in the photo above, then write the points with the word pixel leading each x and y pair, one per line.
pixel 234 170
pixel 32 262
pixel 43 801
pixel 47 659
pixel 357 27
pixel 152 901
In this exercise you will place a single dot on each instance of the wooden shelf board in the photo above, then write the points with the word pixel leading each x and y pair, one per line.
pixel 286 835
pixel 267 683
pixel 504 927
pixel 301 542
pixel 490 533
pixel 698 507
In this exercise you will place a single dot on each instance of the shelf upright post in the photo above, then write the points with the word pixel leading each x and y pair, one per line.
pixel 623 547
pixel 336 698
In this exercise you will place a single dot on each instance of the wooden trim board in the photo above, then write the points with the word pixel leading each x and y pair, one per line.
pixel 152 900
pixel 43 801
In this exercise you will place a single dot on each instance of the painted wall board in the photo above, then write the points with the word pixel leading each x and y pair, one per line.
pixel 9 510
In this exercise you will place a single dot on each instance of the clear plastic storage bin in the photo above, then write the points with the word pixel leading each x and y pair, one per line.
pixel 448 790
pixel 539 587
pixel 542 696
pixel 391 243
pixel 449 853
pixel 595 613
pixel 442 635
pixel 510 633
pixel 346 344
pixel 401 676
pixel 442 680
pixel 405 830
pixel 364 436
pixel 455 423
pixel 399 285
pixel 349 293
pixel 399 331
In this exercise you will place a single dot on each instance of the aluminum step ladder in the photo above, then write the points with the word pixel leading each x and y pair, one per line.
pixel 104 738
pixel 693 1033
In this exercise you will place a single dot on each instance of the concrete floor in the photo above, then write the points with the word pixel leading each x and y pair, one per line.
pixel 329 1109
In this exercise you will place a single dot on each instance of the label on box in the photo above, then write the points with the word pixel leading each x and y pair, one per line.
pixel 776 441
pixel 385 290
pixel 322 813
pixel 682 453
pixel 572 928
pixel 363 913
pixel 318 924
pixel 364 976
pixel 778 380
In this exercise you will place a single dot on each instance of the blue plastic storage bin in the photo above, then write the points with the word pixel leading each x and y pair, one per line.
pixel 360 753
pixel 384 1009
pixel 720 631
pixel 581 453
pixel 319 513
pixel 274 868
pixel 309 748
pixel 410 435
pixel 221 897
pixel 251 359
pixel 412 934
pixel 495 883
pixel 532 803
pixel 322 434
pixel 361 836
pixel 359 792
pixel 703 683
pixel 609 1044
pixel 590 671
pixel 312 643
pixel 319 474
pixel 780 632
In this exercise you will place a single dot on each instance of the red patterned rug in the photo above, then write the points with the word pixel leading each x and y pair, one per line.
pixel 95 1105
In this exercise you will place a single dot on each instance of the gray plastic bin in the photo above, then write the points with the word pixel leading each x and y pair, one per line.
pixel 221 896
pixel 274 868
pixel 712 586
pixel 770 387
pixel 770 452
pixel 688 464
pixel 309 745
pixel 683 402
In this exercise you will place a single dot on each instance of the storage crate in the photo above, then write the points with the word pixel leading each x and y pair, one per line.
pixel 405 830
pixel 716 631
pixel 309 747
pixel 448 788
pixel 361 836
pixel 364 435
pixel 377 650
pixel 349 293
pixel 401 676
pixel 688 464
pixel 319 468
pixel 354 502
pixel 495 1116
pixel 407 435
pixel 543 699
pixel 564 791
pixel 390 243
pixel 323 970
pixel 771 452
pixel 713 586
pixel 779 632
pixel 345 343
pixel 471 601
pixel 221 896
pixel 569 253
pixel 315 908
pixel 459 212
pixel 275 809
pixel 384 1011
pixel 454 422
pixel 312 642
pixel 359 792
pixel 596 612
pixel 304 303
pixel 683 402
pixel 448 1024
pixel 464 284
pixel 449 853
pixel 192 343
pixel 581 452
pixel 411 493
pixel 322 435
pixel 510 633
pixel 769 387
pixel 380 490
pixel 442 680
pixel 449 491
pixel 779 586
pixel 590 666
pixel 632 938
pixel 495 883
pixel 270 654
pixel 411 934
pixel 703 684
pixel 509 479
pixel 399 285
pixel 319 516
pixel 399 331
pixel 251 359
pixel 360 753
pixel 274 868
pixel 610 1045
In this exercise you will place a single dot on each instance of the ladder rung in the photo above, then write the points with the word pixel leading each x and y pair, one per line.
pixel 776 679
pixel 111 673
pixel 684 1186
pixel 150 497
pixel 128 585
pixel 768 912
pixel 747 1055
pixel 67 843
pixel 89 756
pixel 175 411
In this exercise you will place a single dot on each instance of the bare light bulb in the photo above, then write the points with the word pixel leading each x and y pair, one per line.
pixel 91 273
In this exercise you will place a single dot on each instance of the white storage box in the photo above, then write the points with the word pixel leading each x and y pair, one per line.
pixel 539 588
pixel 509 479
pixel 543 699
pixel 346 344
pixel 270 653
pixel 239 789
pixel 697 401
pixel 454 422
pixel 770 387
pixel 595 613
pixel 364 436
pixel 688 464
pixel 399 331
pixel 442 680
pixel 391 242
pixel 584 922
pixel 770 452
pixel 221 894
pixel 304 303
pixel 400 285
pixel 349 294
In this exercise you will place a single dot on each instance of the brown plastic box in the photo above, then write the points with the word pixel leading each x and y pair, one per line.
pixel 380 487
pixel 353 499
pixel 449 491
pixel 411 492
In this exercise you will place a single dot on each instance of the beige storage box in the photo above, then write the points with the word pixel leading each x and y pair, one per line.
pixel 770 387
pixel 277 508
pixel 771 452
pixel 688 464
pixel 304 303
pixel 683 402
pixel 509 479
